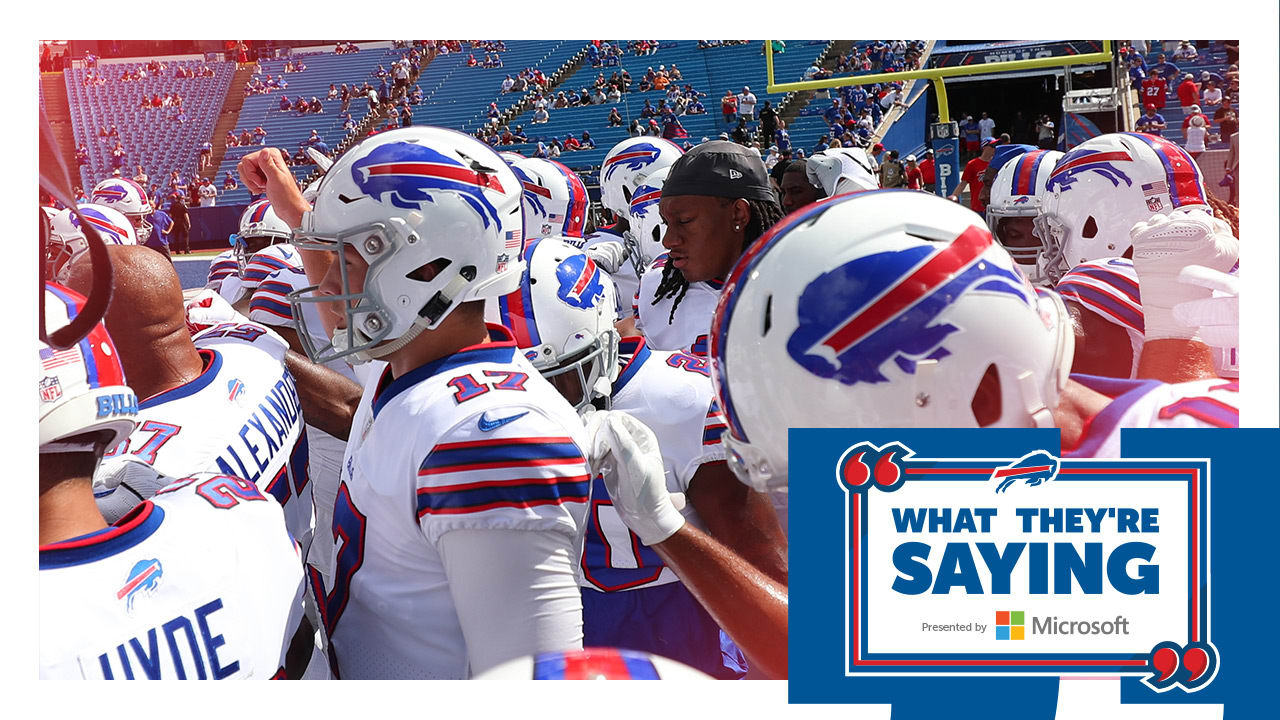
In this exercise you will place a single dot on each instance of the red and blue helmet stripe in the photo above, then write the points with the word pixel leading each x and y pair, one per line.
pixel 575 220
pixel 101 361
pixel 1026 170
pixel 1186 185
pixel 517 308
pixel 594 664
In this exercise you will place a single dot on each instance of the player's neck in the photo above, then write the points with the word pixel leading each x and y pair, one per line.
pixel 67 510
pixel 454 333
pixel 165 363
pixel 1077 405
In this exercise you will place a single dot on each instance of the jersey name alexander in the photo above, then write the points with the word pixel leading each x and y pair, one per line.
pixel 269 425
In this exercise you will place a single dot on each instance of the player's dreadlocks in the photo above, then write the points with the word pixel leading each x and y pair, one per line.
pixel 1228 213
pixel 764 213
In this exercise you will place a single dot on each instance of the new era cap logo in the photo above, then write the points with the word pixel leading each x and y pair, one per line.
pixel 734 174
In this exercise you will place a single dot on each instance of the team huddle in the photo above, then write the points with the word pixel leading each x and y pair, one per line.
pixel 427 421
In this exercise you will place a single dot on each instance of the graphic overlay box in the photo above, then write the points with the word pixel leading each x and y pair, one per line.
pixel 929 566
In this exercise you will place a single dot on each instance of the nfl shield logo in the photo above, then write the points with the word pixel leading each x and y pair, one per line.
pixel 1154 204
pixel 50 389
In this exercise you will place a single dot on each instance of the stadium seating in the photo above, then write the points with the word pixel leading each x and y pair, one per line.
pixel 1213 60
pixel 710 70
pixel 286 130
pixel 149 136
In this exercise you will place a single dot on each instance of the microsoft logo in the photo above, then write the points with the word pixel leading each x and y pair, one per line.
pixel 1010 625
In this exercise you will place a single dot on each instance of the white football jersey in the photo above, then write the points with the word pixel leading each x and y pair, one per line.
pixel 1153 404
pixel 222 266
pixel 240 417
pixel 269 305
pixel 201 582
pixel 671 393
pixel 691 326
pixel 281 256
pixel 475 440
pixel 624 279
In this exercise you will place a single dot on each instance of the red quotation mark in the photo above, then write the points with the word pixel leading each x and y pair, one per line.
pixel 864 463
pixel 1191 666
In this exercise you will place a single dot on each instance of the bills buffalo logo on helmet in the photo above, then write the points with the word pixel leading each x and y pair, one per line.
pixel 636 157
pixel 405 174
pixel 646 197
pixel 580 283
pixel 1032 469
pixel 111 193
pixel 1080 161
pixel 1021 199
pixel 532 192
pixel 111 232
pixel 884 307
pixel 144 579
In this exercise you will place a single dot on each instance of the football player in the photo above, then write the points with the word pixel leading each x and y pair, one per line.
pixel 562 317
pixel 151 596
pixel 260 247
pixel 67 241
pixel 797 189
pixel 841 170
pixel 219 402
pixel 716 202
pixel 554 199
pixel 423 225
pixel 1013 200
pixel 128 198
pixel 1095 196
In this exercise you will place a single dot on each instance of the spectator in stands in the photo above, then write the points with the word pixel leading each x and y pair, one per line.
pixel 228 181
pixel 635 129
pixel 117 157
pixel 1186 52
pixel 972 176
pixel 1046 134
pixel 913 178
pixel 1197 134
pixel 648 111
pixel 599 97
pixel 316 106
pixel 540 116
pixel 1211 98
pixel 768 120
pixel 1154 89
pixel 1188 91
pixel 782 137
pixel 587 143
pixel 615 118
pixel 1152 122
pixel 747 104
pixel 540 151
pixel 729 106
pixel 671 127
pixel 1137 70
pixel 1225 119
pixel 742 134
pixel 246 138
pixel 1194 113
pixel 571 143
pixel 519 136
pixel 652 128
pixel 82 154
pixel 284 104
pixel 208 193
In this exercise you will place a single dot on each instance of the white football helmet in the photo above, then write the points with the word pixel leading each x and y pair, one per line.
pixel 67 241
pixel 510 157
pixel 260 227
pixel 1016 192
pixel 128 197
pixel 404 199
pixel 1105 185
pixel 889 308
pixel 562 317
pixel 841 170
pixel 82 388
pixel 628 164
pixel 644 239
pixel 554 200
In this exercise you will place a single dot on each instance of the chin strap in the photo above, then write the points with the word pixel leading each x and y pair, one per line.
pixel 430 314
pixel 1041 416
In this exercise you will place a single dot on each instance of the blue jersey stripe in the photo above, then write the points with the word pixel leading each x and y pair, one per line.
pixel 505 454
pixel 490 496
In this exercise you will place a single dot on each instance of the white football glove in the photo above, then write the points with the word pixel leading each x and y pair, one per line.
pixel 1217 317
pixel 609 255
pixel 625 451
pixel 207 308
pixel 1162 248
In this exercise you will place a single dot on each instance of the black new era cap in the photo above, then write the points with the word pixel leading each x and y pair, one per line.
pixel 719 169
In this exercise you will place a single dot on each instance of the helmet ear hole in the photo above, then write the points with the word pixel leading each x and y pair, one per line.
pixel 626 194
pixel 986 404
pixel 428 272
pixel 1090 228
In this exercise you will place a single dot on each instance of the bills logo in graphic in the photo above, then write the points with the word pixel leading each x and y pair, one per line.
pixel 50 389
pixel 235 390
pixel 144 579
pixel 1032 469
pixel 857 318
pixel 405 173
pixel 1021 200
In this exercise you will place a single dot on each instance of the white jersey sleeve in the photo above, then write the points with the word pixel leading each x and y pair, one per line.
pixel 281 256
pixel 222 266
pixel 202 582
pixel 690 326
pixel 1212 403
